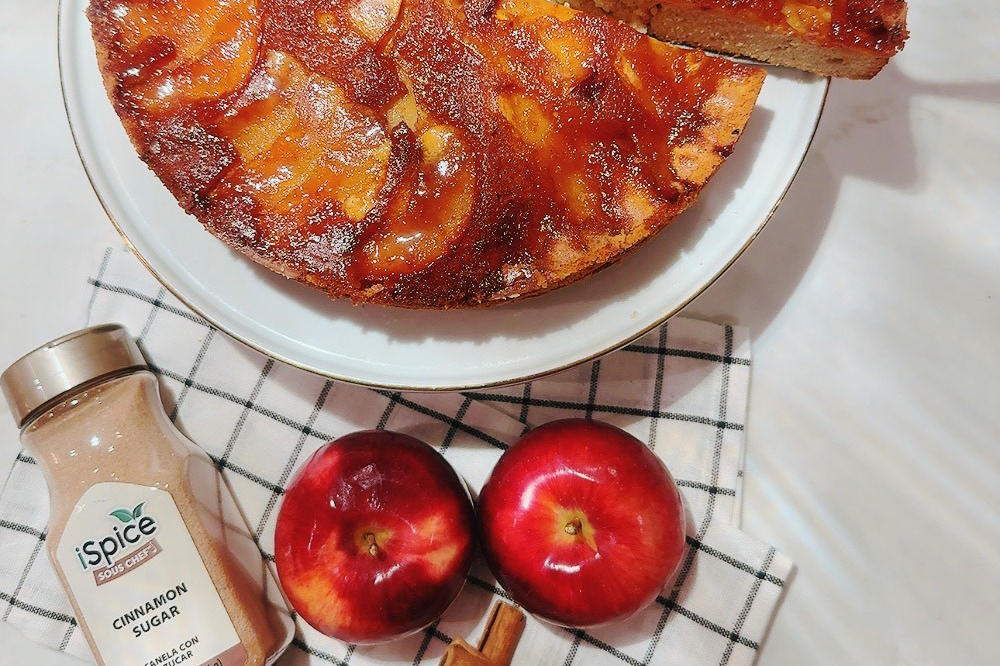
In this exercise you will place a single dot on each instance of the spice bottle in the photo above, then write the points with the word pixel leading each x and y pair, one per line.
pixel 155 556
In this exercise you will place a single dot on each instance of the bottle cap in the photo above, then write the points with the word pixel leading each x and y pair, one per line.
pixel 64 365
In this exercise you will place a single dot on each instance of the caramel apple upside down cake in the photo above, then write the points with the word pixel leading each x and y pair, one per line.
pixel 419 153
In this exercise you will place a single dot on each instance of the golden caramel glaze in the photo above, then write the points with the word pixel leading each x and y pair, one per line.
pixel 879 25
pixel 421 153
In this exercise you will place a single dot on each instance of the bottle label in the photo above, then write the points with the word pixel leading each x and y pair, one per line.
pixel 140 584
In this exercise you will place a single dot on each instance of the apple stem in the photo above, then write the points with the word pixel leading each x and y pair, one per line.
pixel 573 527
pixel 372 546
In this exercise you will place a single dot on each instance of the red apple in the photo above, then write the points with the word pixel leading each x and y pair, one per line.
pixel 375 537
pixel 581 523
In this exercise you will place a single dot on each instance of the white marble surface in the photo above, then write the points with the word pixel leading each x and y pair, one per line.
pixel 872 297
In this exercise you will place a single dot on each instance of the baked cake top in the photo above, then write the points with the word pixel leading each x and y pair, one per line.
pixel 424 153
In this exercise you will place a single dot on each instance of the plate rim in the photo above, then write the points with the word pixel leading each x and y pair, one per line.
pixel 60 45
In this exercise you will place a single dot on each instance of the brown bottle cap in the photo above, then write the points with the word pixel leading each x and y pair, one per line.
pixel 61 366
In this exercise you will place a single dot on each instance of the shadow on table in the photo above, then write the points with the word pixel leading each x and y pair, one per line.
pixel 759 284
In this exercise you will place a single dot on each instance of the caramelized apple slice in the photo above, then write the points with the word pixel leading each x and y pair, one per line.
pixel 528 118
pixel 570 50
pixel 578 192
pixel 810 19
pixel 430 211
pixel 529 12
pixel 567 44
pixel 213 74
pixel 265 111
pixel 371 18
pixel 206 49
pixel 188 24
pixel 302 142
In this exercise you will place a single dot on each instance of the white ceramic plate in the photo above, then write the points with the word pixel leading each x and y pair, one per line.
pixel 395 348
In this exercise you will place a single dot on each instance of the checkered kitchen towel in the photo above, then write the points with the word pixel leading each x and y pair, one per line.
pixel 682 389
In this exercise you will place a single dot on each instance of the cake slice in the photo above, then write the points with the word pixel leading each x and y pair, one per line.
pixel 847 38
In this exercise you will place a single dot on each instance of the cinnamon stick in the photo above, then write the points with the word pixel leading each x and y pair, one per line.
pixel 497 644
pixel 503 631
pixel 460 653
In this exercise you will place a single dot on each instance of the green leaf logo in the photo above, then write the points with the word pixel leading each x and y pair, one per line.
pixel 127 516
pixel 122 514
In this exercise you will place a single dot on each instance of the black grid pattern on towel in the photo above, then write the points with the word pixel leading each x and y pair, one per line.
pixel 185 385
